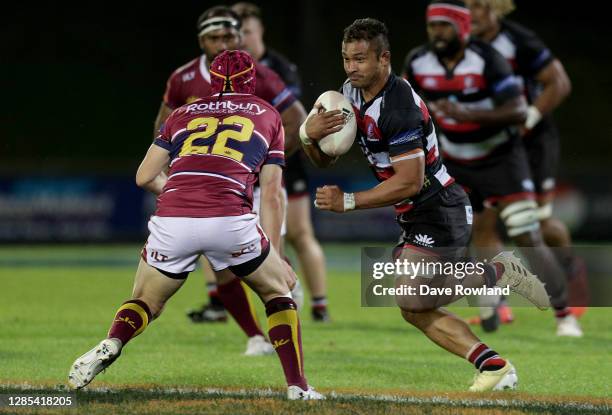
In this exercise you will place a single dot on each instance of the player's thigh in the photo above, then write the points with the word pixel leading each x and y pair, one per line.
pixel 153 286
pixel 273 278
pixel 299 223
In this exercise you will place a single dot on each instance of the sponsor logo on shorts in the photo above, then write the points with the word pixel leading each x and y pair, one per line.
pixel 244 250
pixel 424 240
pixel 159 257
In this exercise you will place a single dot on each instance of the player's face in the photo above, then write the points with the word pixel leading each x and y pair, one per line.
pixel 443 38
pixel 252 34
pixel 362 64
pixel 482 17
pixel 217 41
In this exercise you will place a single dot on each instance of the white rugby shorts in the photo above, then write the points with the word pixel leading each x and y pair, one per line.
pixel 235 242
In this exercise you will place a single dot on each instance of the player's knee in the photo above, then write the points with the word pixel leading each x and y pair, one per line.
pixel 521 220
pixel 156 306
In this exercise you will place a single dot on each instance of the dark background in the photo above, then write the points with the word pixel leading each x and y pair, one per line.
pixel 81 83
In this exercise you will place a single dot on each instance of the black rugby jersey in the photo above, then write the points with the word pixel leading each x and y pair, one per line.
pixel 482 79
pixel 393 123
pixel 527 55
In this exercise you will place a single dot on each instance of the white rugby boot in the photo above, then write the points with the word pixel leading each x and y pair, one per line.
pixel 258 345
pixel 568 326
pixel 295 393
pixel 520 280
pixel 495 380
pixel 86 367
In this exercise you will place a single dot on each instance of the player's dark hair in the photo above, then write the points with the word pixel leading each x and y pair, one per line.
pixel 246 10
pixel 217 11
pixel 372 30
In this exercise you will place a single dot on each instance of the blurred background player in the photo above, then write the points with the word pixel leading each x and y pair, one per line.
pixel 478 105
pixel 300 232
pixel 398 138
pixel 545 85
pixel 213 149
pixel 219 30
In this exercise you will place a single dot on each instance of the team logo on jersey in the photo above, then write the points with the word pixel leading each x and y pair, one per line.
pixel 424 240
pixel 528 185
pixel 188 76
pixel 469 85
pixel 430 83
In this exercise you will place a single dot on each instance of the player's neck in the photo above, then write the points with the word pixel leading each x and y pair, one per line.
pixel 490 34
pixel 371 91
pixel 259 50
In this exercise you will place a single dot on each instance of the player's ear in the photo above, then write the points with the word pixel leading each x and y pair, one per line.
pixel 201 42
pixel 385 57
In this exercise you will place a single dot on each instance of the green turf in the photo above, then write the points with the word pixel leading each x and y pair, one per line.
pixel 51 313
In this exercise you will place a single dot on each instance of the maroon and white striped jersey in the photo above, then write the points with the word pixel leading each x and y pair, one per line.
pixel 217 147
pixel 393 124
pixel 482 80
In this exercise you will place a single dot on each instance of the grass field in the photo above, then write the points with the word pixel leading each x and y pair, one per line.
pixel 56 303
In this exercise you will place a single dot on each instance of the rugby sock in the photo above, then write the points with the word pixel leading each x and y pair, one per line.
pixel 319 303
pixel 238 303
pixel 492 273
pixel 130 320
pixel 285 335
pixel 213 294
pixel 562 311
pixel 484 358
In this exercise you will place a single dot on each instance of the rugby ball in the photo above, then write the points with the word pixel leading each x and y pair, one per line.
pixel 338 143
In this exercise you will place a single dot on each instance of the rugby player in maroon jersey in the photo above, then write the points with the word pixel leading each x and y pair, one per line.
pixel 214 148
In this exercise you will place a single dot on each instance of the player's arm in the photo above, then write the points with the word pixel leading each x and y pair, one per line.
pixel 272 206
pixel 511 111
pixel 319 125
pixel 293 116
pixel 150 175
pixel 406 182
pixel 556 86
pixel 163 114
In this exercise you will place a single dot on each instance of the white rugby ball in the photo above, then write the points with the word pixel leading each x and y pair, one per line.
pixel 338 143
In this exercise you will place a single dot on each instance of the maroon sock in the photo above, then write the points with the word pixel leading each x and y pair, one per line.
pixel 237 303
pixel 484 358
pixel 286 337
pixel 130 320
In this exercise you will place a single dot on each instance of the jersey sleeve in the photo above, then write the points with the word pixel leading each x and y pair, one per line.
pixel 164 137
pixel 405 129
pixel 172 96
pixel 271 88
pixel 503 84
pixel 276 150
pixel 532 55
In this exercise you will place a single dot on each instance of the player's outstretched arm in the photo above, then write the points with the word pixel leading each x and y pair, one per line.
pixel 150 175
pixel 272 206
pixel 319 125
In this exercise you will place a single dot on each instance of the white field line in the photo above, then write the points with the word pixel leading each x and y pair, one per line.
pixel 269 393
